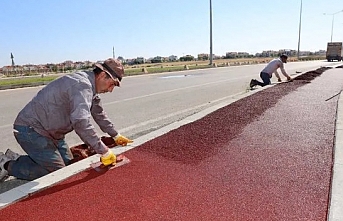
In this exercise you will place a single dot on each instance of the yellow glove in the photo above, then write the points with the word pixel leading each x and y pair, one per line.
pixel 121 140
pixel 108 158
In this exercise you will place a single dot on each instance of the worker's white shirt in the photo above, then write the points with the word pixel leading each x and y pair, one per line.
pixel 273 65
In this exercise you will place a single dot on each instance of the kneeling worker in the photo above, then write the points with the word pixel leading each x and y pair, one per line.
pixel 64 105
pixel 271 68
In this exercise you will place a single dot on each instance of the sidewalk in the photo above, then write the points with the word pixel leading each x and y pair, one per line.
pixel 266 156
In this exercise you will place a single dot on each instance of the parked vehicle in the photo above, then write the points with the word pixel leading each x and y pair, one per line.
pixel 334 51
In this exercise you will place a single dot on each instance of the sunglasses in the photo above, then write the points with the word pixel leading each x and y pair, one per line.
pixel 116 82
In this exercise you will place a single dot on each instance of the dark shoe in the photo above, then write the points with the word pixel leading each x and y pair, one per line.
pixel 253 83
pixel 3 173
pixel 12 155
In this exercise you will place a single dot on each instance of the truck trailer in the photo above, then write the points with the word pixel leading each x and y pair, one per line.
pixel 334 51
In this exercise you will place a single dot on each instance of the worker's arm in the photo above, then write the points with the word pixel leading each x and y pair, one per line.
pixel 105 123
pixel 101 118
pixel 285 73
pixel 277 76
pixel 80 101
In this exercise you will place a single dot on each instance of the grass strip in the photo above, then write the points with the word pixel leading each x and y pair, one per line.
pixel 27 80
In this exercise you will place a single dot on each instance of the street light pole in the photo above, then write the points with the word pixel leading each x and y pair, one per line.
pixel 301 6
pixel 211 53
pixel 333 18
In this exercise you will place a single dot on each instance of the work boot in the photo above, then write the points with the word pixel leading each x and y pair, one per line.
pixel 12 155
pixel 3 173
pixel 253 83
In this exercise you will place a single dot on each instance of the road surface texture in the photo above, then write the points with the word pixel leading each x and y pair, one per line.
pixel 268 156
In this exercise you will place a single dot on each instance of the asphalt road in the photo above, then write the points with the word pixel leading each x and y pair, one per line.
pixel 147 102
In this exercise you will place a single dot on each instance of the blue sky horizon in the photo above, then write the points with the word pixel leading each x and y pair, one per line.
pixel 40 32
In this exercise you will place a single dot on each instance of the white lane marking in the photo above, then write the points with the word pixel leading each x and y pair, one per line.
pixel 176 76
pixel 162 92
pixel 126 129
pixel 173 90
pixel 5 126
pixel 158 93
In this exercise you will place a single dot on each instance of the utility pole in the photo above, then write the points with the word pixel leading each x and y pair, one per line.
pixel 301 6
pixel 333 19
pixel 211 51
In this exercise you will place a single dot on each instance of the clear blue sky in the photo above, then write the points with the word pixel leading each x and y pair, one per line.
pixel 53 31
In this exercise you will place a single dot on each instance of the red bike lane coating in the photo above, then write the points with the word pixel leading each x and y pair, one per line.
pixel 265 157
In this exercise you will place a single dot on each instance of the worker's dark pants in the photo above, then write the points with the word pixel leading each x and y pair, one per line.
pixel 265 78
pixel 44 155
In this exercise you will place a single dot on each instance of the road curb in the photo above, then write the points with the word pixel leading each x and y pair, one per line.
pixel 335 212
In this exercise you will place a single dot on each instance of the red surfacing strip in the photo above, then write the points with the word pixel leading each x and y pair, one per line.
pixel 226 166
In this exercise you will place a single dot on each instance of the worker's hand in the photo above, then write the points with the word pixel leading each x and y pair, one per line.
pixel 108 158
pixel 289 78
pixel 121 140
pixel 279 79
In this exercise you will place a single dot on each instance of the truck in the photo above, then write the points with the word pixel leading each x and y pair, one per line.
pixel 334 51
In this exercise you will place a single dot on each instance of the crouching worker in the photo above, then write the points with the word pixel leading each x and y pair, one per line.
pixel 271 68
pixel 64 105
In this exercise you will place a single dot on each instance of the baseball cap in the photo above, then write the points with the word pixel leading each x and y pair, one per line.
pixel 112 67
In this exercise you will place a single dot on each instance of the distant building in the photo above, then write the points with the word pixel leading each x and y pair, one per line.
pixel 320 52
pixel 237 55
pixel 70 65
pixel 288 52
pixel 203 56
pixel 130 61
pixel 187 58
pixel 304 53
pixel 215 57
pixel 231 55
pixel 140 60
pixel 172 58
pixel 157 59
pixel 269 53
pixel 243 54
